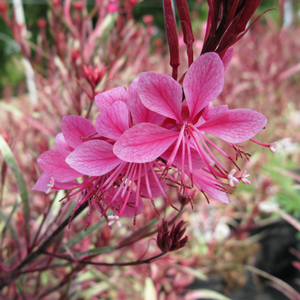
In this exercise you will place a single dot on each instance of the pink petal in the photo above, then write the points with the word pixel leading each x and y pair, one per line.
pixel 130 210
pixel 197 161
pixel 161 94
pixel 236 125
pixel 208 184
pixel 140 113
pixel 93 158
pixel 74 128
pixel 53 163
pixel 144 143
pixel 60 142
pixel 112 122
pixel 227 58
pixel 203 82
pixel 211 111
pixel 133 87
pixel 43 181
pixel 106 99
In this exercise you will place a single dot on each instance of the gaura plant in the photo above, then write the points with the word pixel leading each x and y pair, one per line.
pixel 155 134
pixel 145 142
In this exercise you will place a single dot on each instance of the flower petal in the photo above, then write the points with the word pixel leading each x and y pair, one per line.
pixel 161 94
pixel 106 99
pixel 75 127
pixel 139 111
pixel 203 82
pixel 93 158
pixel 112 122
pixel 209 185
pixel 211 111
pixel 44 180
pixel 144 143
pixel 236 125
pixel 53 163
pixel 60 142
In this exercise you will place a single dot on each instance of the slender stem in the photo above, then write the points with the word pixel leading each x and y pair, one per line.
pixel 44 268
pixel 66 279
pixel 42 248
pixel 40 228
pixel 90 105
pixel 134 263
pixel 149 233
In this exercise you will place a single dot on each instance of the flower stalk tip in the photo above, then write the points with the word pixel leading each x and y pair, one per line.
pixel 172 37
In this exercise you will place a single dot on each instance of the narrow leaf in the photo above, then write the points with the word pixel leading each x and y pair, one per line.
pixel 81 235
pixel 7 221
pixel 8 156
pixel 13 232
pixel 96 251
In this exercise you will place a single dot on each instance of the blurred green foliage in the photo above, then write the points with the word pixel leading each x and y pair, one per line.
pixel 287 195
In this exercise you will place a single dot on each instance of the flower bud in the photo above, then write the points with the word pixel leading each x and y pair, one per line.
pixel 171 240
pixel 93 76
pixel 3 7
pixel 41 23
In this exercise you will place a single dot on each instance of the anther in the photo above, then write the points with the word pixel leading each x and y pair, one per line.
pixel 231 178
pixel 244 177
pixel 50 186
pixel 113 220
pixel 272 147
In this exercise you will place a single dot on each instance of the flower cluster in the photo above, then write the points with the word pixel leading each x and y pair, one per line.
pixel 153 134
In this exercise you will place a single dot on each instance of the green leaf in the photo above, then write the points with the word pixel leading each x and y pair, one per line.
pixel 13 232
pixel 96 251
pixel 7 221
pixel 22 294
pixel 82 234
pixel 9 158
pixel 205 294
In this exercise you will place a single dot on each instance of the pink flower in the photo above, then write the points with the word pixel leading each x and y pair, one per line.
pixel 186 123
pixel 96 158
pixel 59 173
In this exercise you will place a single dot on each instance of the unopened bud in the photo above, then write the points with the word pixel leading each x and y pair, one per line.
pixel 93 76
pixel 171 241
pixel 3 7
pixel 41 23
pixel 148 19
pixel 78 5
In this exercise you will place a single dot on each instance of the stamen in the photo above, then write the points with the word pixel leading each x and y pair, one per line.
pixel 113 220
pixel 244 176
pixel 174 152
pixel 50 186
pixel 231 178
pixel 132 176
pixel 271 146
pixel 212 155
pixel 204 156
pixel 161 189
